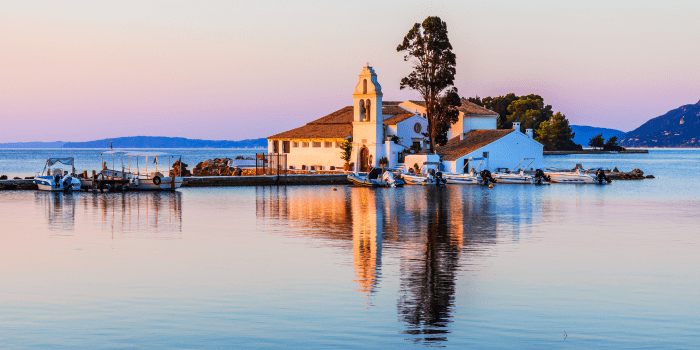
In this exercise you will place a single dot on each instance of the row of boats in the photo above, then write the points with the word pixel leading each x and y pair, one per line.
pixel 380 177
pixel 133 173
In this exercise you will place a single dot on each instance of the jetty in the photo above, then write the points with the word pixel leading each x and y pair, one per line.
pixel 220 181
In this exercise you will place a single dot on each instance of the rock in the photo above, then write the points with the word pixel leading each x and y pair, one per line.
pixel 29 178
pixel 3 177
pixel 637 171
pixel 237 172
pixel 615 170
pixel 650 177
pixel 17 178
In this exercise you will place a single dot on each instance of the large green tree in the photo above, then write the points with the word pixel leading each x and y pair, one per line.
pixel 429 48
pixel 556 135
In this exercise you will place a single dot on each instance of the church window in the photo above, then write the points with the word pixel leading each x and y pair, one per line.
pixel 418 128
pixel 369 110
pixel 304 144
pixel 362 110
pixel 364 86
pixel 316 144
pixel 328 144
pixel 295 144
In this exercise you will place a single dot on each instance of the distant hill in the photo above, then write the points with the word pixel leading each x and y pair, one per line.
pixel 57 144
pixel 166 142
pixel 677 128
pixel 586 133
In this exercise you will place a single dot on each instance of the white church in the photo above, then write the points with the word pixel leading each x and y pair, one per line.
pixel 373 125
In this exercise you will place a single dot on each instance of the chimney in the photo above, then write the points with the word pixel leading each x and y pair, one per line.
pixel 516 126
pixel 528 132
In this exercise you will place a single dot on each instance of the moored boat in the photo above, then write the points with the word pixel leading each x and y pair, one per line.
pixel 57 179
pixel 137 178
pixel 376 177
pixel 517 176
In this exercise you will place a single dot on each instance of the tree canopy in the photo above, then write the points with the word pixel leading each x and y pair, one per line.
pixel 434 68
pixel 532 113
pixel 556 135
pixel 597 141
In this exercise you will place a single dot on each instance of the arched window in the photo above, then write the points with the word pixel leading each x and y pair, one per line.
pixel 364 86
pixel 369 110
pixel 362 110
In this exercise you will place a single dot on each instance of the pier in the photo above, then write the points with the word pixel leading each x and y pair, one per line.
pixel 222 181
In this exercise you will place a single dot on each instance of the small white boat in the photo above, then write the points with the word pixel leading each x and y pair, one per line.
pixel 375 178
pixel 516 177
pixel 133 177
pixel 56 179
pixel 574 177
pixel 470 178
pixel 424 179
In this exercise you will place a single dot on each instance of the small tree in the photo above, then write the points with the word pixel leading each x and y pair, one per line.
pixel 346 151
pixel 433 67
pixel 598 141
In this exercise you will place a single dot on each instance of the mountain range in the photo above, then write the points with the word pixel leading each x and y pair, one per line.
pixel 677 128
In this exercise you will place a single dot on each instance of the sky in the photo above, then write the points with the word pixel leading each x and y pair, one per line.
pixel 232 70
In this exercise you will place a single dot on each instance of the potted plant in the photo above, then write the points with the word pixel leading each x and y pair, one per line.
pixel 346 154
pixel 383 161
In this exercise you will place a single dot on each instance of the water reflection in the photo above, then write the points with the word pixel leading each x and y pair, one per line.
pixel 59 209
pixel 431 230
pixel 144 214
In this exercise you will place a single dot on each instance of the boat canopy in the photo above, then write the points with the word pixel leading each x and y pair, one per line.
pixel 66 161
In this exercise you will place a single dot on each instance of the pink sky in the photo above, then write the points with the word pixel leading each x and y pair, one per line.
pixel 79 71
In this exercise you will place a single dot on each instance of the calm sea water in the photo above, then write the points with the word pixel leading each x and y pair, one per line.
pixel 560 266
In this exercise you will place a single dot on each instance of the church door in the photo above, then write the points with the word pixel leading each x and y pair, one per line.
pixel 364 159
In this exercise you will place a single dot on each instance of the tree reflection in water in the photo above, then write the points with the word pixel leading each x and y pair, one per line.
pixel 428 286
pixel 427 227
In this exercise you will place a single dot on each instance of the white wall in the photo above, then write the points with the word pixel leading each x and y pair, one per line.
pixel 309 156
pixel 505 152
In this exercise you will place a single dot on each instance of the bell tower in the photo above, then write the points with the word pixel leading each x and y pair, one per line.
pixel 368 121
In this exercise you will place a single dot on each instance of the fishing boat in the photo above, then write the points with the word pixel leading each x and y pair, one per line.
pixel 57 179
pixel 517 176
pixel 375 178
pixel 135 175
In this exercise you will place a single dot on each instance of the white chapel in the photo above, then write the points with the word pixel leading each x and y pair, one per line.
pixel 380 129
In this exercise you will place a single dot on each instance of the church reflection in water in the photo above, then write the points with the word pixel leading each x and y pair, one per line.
pixel 428 229
pixel 155 215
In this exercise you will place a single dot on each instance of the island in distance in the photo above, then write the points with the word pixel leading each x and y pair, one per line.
pixel 143 142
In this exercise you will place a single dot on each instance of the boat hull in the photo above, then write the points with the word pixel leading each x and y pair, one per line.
pixel 148 184
pixel 362 181
pixel 513 179
pixel 48 183
pixel 461 180
pixel 571 178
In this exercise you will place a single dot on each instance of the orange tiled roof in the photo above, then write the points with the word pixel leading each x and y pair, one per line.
pixel 339 123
